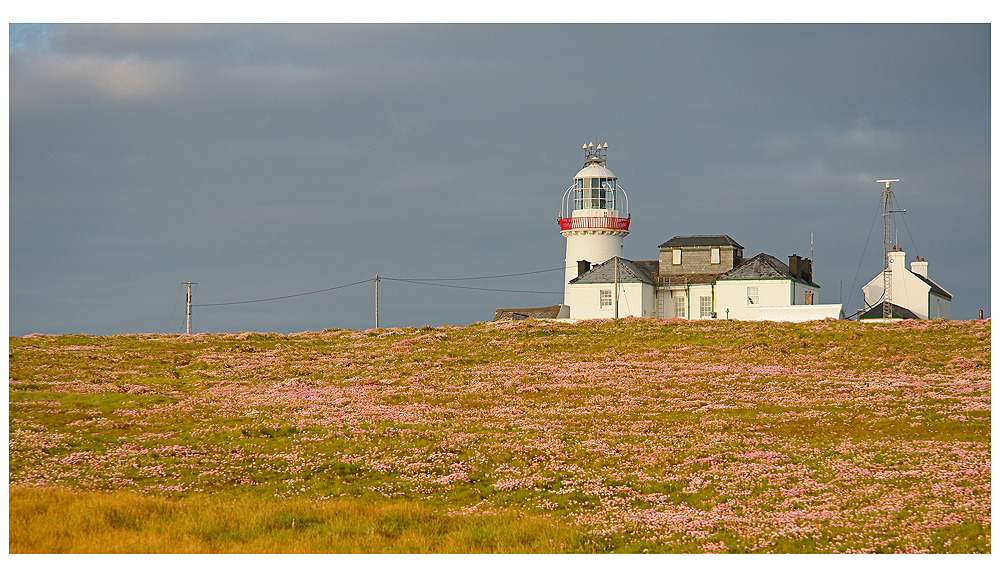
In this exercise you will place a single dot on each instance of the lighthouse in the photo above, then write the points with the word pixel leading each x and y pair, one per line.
pixel 594 217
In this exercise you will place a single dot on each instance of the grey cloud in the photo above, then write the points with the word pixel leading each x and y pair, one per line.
pixel 264 160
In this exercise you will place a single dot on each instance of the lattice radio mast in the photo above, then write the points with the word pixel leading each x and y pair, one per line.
pixel 888 247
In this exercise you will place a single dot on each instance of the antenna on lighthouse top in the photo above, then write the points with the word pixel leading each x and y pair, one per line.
pixel 595 155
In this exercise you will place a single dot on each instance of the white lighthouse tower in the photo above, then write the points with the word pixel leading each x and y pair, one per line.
pixel 591 217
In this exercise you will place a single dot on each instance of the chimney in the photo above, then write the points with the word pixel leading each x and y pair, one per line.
pixel 919 267
pixel 807 269
pixel 793 266
pixel 582 266
pixel 897 260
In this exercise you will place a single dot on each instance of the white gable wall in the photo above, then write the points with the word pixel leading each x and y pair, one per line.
pixel 908 291
pixel 733 295
pixel 634 300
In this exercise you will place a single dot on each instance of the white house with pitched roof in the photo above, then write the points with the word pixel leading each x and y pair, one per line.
pixel 914 294
pixel 706 278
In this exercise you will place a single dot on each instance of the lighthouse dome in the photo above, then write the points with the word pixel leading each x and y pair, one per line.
pixel 594 170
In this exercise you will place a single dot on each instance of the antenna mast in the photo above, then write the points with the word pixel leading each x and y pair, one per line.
pixel 887 243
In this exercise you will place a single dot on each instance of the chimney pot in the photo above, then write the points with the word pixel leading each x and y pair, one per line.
pixel 919 267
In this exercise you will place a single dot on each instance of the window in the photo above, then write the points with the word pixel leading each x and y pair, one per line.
pixel 715 255
pixel 606 298
pixel 677 256
pixel 706 307
pixel 679 310
pixel 609 191
pixel 590 193
pixel 753 298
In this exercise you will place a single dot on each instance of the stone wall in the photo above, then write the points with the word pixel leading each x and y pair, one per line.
pixel 698 260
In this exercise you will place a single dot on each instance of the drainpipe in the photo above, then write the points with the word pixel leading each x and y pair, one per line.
pixel 714 313
pixel 687 297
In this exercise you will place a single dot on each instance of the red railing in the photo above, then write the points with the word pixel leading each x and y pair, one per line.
pixel 605 222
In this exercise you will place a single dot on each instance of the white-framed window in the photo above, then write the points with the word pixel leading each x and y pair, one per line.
pixel 606 301
pixel 679 310
pixel 677 256
pixel 706 307
pixel 716 258
pixel 753 296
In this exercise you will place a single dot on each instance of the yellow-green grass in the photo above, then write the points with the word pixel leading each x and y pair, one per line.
pixel 626 436
pixel 61 521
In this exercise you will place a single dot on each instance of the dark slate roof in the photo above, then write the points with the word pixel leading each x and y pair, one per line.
pixel 650 268
pixel 521 314
pixel 628 271
pixel 702 240
pixel 762 266
pixel 898 312
pixel 935 289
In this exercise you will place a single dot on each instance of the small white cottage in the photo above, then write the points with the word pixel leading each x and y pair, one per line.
pixel 913 294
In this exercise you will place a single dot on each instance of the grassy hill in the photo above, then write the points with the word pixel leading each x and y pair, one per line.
pixel 631 435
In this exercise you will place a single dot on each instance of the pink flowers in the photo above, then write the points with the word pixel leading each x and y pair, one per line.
pixel 686 434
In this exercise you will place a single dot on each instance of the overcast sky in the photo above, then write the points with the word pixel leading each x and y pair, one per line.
pixel 261 161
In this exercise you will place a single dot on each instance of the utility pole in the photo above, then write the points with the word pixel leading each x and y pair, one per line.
pixel 189 305
pixel 616 287
pixel 376 300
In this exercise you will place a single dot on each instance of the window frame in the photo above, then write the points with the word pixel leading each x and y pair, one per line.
pixel 715 256
pixel 676 256
pixel 601 296
pixel 701 307
pixel 753 299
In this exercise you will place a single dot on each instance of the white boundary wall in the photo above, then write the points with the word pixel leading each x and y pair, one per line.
pixel 801 313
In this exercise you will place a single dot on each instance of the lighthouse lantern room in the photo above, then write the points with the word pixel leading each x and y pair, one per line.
pixel 591 217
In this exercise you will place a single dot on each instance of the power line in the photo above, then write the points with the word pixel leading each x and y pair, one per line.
pixel 284 297
pixel 860 262
pixel 408 280
pixel 478 277
pixel 916 252
pixel 472 287
pixel 171 321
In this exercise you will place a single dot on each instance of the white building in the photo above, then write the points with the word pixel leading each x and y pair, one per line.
pixel 591 217
pixel 695 277
pixel 913 294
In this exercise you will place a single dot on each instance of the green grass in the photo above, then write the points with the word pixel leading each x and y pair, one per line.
pixel 625 436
